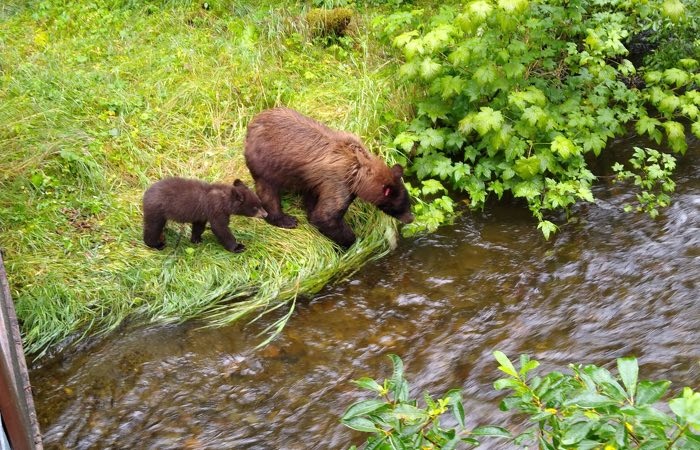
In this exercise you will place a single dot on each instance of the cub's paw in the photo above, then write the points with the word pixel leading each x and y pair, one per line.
pixel 283 221
pixel 238 248
pixel 196 239
pixel 157 245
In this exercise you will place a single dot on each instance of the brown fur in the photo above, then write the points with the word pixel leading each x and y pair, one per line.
pixel 286 151
pixel 197 202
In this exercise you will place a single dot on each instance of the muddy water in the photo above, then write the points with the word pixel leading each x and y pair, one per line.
pixel 608 285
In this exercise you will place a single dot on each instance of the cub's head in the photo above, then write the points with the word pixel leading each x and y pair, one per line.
pixel 244 202
pixel 394 197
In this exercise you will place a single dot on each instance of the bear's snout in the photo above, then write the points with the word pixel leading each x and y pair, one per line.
pixel 406 217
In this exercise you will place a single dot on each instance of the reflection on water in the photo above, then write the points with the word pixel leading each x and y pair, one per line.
pixel 608 285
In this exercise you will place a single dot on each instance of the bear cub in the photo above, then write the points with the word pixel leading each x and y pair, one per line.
pixel 192 201
pixel 287 151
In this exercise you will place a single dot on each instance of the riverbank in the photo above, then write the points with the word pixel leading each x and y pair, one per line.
pixel 97 102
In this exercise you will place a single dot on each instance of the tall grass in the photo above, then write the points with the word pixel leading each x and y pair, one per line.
pixel 99 100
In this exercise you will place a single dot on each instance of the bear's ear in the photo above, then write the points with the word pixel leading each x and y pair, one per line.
pixel 238 182
pixel 236 195
pixel 397 172
pixel 387 190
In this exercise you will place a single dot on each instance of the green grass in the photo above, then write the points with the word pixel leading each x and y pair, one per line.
pixel 99 100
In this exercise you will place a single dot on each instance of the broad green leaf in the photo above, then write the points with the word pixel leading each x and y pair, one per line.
pixel 432 138
pixel 467 124
pixel 629 370
pixel 429 68
pixel 590 400
pixel 695 128
pixel 360 424
pixel 363 407
pixel 432 186
pixel 576 432
pixel 455 396
pixel 433 108
pixel 485 74
pixel 369 384
pixel 506 383
pixel 649 392
pixel 687 407
pixel 438 37
pixel 669 104
pixel 397 374
pixel 527 167
pixel 547 228
pixel 505 365
pixel 405 141
pixel 527 189
pixel 676 136
pixel 491 431
pixel 405 411
pixel 404 38
pixel 673 9
pixel 563 146
pixel 487 119
pixel 413 48
pixel 676 76
pixel 527 364
pixel 480 8
pixel 512 5
pixel 647 125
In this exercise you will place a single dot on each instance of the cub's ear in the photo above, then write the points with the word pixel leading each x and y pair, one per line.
pixel 236 195
pixel 397 171
pixel 238 182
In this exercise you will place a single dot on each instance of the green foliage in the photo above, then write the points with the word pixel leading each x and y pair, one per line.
pixel 588 409
pixel 514 95
pixel 591 408
pixel 652 173
pixel 395 421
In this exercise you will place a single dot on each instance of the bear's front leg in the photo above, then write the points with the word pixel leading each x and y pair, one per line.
pixel 197 230
pixel 220 228
pixel 153 225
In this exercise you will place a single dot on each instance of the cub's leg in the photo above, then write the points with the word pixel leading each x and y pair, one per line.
pixel 270 199
pixel 153 225
pixel 219 225
pixel 197 230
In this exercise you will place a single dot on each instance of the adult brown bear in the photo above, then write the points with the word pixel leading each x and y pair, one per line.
pixel 184 200
pixel 286 151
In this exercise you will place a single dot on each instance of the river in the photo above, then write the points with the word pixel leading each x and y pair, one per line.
pixel 609 284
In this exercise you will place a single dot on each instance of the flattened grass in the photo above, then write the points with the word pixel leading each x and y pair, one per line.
pixel 99 100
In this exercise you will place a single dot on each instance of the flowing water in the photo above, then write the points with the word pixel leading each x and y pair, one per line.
pixel 607 285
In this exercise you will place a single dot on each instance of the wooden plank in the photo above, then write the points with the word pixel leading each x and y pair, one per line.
pixel 16 402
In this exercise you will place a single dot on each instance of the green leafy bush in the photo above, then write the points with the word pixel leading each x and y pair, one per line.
pixel 653 175
pixel 592 409
pixel 395 421
pixel 589 409
pixel 513 96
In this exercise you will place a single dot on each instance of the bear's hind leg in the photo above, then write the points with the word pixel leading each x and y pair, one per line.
pixel 197 230
pixel 329 221
pixel 270 199
pixel 153 231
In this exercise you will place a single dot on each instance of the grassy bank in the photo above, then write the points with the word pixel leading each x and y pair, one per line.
pixel 98 101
